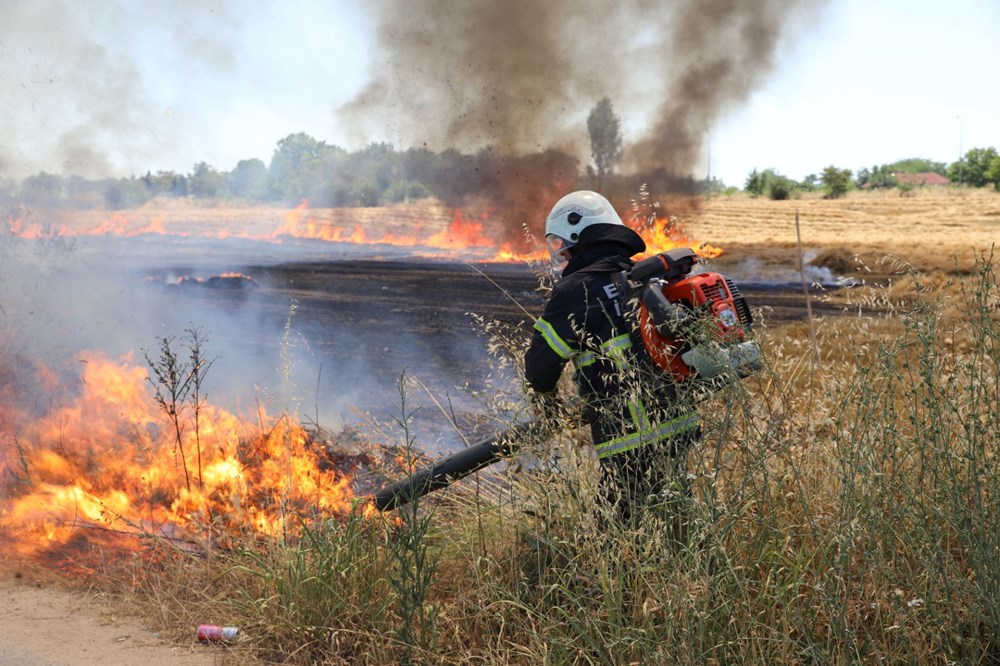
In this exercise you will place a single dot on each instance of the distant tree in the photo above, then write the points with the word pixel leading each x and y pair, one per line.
pixel 605 138
pixel 972 169
pixel 406 190
pixel 416 191
pixel 810 183
pixel 302 167
pixel 756 182
pixel 771 183
pixel 125 193
pixel 367 194
pixel 780 187
pixel 993 173
pixel 455 175
pixel 418 166
pixel 396 192
pixel 881 176
pixel 918 165
pixel 42 189
pixel 382 161
pixel 165 183
pixel 862 177
pixel 206 181
pixel 884 177
pixel 837 181
pixel 711 186
pixel 248 180
pixel 179 185
pixel 82 194
pixel 360 178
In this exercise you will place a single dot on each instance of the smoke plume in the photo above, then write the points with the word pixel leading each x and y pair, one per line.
pixel 521 76
pixel 96 89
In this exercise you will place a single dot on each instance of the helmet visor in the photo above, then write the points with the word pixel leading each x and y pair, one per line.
pixel 558 254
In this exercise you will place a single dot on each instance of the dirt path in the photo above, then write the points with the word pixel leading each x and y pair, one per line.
pixel 43 625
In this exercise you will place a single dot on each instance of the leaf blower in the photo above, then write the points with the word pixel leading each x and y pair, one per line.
pixel 692 326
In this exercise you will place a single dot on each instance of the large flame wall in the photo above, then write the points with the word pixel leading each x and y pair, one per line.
pixel 109 459
pixel 427 230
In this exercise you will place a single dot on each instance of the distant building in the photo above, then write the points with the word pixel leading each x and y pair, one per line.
pixel 916 179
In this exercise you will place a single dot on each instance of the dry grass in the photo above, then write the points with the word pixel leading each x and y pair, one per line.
pixel 843 511
pixel 842 514
pixel 928 229
pixel 227 220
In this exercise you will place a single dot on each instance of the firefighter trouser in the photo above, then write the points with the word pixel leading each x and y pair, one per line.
pixel 649 477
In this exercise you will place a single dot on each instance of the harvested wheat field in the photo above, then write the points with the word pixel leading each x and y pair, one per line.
pixel 928 227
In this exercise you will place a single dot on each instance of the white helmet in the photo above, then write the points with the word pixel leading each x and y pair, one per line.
pixel 570 216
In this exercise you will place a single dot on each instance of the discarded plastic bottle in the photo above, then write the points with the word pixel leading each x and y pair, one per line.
pixel 214 633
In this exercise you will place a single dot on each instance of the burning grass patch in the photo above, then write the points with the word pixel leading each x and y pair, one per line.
pixel 108 459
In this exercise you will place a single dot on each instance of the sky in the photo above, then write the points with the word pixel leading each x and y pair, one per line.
pixel 116 88
pixel 874 83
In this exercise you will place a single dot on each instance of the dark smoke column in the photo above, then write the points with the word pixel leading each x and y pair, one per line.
pixel 719 52
pixel 520 76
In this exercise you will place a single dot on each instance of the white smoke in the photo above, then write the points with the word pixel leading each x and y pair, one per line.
pixel 62 301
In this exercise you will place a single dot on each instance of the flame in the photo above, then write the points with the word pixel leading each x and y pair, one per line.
pixel 461 232
pixel 666 233
pixel 662 234
pixel 109 459
pixel 115 224
pixel 463 235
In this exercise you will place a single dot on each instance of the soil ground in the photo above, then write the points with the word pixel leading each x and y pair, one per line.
pixel 42 624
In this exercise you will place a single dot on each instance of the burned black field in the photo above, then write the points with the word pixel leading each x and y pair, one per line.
pixel 366 293
pixel 419 316
pixel 357 325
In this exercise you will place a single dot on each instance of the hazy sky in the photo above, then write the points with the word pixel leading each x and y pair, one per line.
pixel 115 88
pixel 875 82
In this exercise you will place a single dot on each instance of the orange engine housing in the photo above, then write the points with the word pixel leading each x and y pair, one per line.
pixel 722 311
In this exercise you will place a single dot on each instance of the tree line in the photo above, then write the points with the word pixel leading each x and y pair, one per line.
pixel 978 167
pixel 301 168
pixel 305 168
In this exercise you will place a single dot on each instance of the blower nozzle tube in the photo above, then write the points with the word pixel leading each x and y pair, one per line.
pixel 452 468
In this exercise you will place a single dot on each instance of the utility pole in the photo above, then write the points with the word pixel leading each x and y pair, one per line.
pixel 961 155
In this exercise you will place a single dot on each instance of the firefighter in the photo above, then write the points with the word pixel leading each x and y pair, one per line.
pixel 641 428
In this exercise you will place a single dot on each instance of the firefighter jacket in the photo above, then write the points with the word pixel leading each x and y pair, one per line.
pixel 583 322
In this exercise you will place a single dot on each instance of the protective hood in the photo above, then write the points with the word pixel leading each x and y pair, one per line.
pixel 602 241
pixel 612 233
